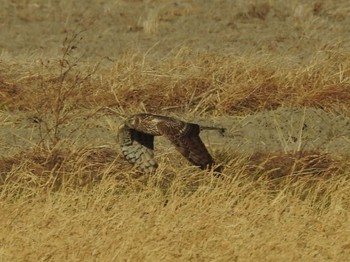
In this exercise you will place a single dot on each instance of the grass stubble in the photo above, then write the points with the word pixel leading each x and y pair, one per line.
pixel 61 201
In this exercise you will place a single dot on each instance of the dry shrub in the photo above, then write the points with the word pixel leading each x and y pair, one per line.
pixel 10 93
pixel 264 96
pixel 84 166
pixel 208 84
pixel 295 165
pixel 45 169
pixel 328 95
pixel 312 176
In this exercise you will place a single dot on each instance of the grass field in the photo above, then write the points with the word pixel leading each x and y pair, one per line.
pixel 276 75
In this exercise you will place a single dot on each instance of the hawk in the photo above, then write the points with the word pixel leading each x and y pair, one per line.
pixel 136 139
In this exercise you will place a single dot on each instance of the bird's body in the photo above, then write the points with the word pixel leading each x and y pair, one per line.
pixel 136 138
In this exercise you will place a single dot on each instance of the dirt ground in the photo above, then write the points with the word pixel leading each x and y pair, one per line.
pixel 282 130
pixel 160 28
pixel 275 74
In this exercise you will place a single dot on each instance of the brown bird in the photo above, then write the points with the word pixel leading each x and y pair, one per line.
pixel 136 138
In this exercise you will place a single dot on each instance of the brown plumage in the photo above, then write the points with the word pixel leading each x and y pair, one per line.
pixel 136 138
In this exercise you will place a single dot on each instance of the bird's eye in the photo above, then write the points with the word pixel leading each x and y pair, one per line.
pixel 131 122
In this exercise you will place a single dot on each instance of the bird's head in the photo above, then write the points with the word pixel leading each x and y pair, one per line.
pixel 132 121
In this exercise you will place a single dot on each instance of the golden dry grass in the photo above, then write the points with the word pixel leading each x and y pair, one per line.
pixel 206 84
pixel 80 206
pixel 64 201
pixel 84 208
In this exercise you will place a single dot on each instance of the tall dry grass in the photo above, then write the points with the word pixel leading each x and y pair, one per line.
pixel 68 202
pixel 85 206
pixel 207 84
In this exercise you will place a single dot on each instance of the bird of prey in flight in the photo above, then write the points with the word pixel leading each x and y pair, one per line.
pixel 136 138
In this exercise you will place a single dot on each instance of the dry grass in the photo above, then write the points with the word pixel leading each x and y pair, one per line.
pixel 61 201
pixel 208 84
pixel 87 204
pixel 99 212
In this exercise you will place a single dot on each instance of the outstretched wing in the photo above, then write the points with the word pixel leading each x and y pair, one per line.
pixel 137 148
pixel 187 141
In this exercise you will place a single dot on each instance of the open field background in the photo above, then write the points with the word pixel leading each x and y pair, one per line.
pixel 275 74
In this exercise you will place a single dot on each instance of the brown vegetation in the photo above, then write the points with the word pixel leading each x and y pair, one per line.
pixel 207 84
